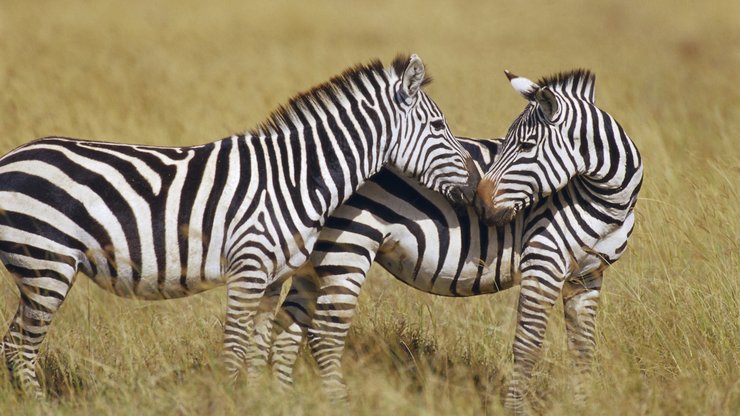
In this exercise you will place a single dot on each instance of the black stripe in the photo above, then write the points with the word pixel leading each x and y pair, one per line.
pixel 192 181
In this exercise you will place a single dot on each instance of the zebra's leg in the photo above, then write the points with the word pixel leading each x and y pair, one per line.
pixel 580 301
pixel 263 322
pixel 540 289
pixel 43 282
pixel 292 323
pixel 335 306
pixel 244 292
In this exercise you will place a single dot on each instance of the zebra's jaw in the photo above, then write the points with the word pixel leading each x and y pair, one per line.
pixel 469 190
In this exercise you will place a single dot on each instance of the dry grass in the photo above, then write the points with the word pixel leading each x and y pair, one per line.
pixel 184 73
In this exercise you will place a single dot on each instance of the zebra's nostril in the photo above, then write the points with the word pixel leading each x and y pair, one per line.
pixel 457 197
pixel 468 195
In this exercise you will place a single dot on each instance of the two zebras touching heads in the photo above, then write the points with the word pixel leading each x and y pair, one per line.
pixel 287 199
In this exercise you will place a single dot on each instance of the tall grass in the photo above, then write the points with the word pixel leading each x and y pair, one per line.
pixel 176 73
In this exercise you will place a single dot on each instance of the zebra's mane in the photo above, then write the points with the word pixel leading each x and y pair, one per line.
pixel 349 80
pixel 579 82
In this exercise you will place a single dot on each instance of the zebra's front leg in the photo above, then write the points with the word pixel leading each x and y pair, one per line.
pixel 258 358
pixel 540 289
pixel 244 292
pixel 339 290
pixel 42 292
pixel 292 323
pixel 580 302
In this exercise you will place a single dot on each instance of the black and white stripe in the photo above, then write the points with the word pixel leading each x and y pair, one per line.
pixel 245 211
pixel 573 225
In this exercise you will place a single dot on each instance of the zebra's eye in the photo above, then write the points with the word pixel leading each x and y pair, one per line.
pixel 438 124
pixel 528 143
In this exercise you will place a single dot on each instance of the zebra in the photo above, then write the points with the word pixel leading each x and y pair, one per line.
pixel 245 211
pixel 417 235
pixel 565 167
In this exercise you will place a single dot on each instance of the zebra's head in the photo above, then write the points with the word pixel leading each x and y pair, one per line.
pixel 425 148
pixel 541 150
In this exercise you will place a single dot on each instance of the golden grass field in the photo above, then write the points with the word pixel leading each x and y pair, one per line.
pixel 181 72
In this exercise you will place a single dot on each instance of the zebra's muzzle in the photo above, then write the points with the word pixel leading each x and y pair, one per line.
pixel 494 216
pixel 464 195
pixel 490 213
pixel 499 216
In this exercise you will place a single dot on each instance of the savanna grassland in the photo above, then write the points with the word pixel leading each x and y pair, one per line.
pixel 183 72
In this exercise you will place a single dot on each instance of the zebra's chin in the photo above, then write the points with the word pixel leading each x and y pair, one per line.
pixel 502 216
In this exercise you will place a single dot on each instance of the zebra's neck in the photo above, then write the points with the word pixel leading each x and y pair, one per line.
pixel 332 142
pixel 612 170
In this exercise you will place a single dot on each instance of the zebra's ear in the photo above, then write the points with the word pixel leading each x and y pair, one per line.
pixel 413 77
pixel 522 85
pixel 547 101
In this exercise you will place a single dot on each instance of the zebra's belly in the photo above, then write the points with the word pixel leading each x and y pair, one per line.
pixel 200 273
pixel 456 277
pixel 126 277
pixel 455 266
pixel 156 286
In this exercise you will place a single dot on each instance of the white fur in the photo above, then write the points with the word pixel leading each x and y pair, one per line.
pixel 523 85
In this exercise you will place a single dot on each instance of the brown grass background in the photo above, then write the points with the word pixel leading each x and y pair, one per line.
pixel 187 72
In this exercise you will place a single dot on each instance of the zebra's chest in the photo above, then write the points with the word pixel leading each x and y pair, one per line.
pixel 588 254
pixel 580 235
pixel 613 244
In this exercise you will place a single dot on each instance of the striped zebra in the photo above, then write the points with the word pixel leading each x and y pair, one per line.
pixel 417 235
pixel 570 170
pixel 159 223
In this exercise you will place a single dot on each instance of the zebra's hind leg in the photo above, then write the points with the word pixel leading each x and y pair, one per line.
pixel 580 301
pixel 43 280
pixel 540 289
pixel 292 323
pixel 244 291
